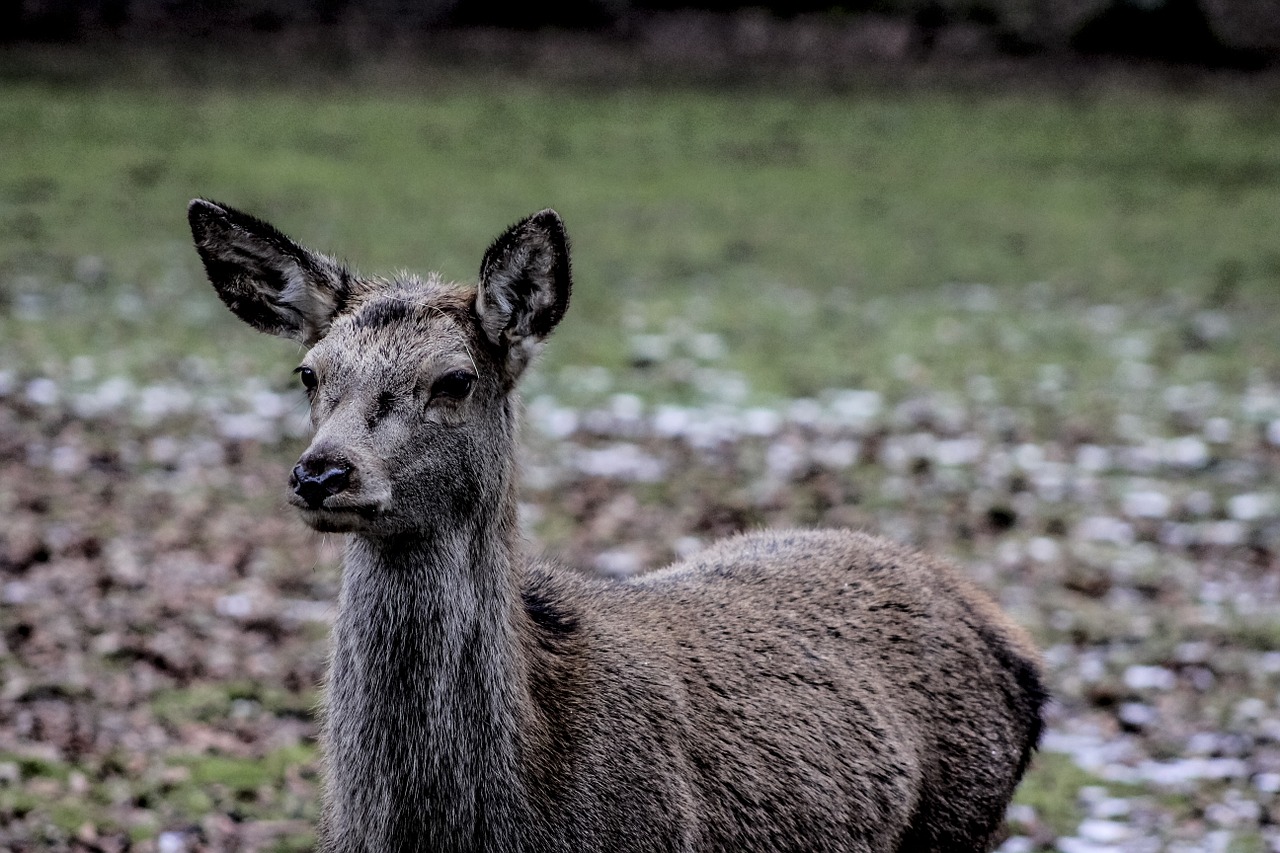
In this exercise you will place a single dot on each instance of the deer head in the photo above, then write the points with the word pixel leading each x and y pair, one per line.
pixel 410 379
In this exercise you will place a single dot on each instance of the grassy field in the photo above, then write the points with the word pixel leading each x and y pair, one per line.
pixel 1030 327
pixel 765 216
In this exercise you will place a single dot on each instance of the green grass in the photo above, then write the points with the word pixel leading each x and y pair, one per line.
pixel 207 783
pixel 1052 786
pixel 814 230
pixel 213 703
pixel 245 775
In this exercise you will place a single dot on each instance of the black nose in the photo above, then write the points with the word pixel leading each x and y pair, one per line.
pixel 316 478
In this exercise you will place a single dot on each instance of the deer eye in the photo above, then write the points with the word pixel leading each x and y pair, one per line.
pixel 308 377
pixel 453 386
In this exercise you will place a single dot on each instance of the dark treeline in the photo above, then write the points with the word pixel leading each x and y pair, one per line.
pixel 1234 33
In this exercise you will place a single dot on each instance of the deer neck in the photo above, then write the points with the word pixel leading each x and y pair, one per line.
pixel 426 691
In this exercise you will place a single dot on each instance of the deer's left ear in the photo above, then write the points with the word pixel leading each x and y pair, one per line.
pixel 524 286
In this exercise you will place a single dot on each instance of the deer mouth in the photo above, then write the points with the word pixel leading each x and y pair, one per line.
pixel 339 519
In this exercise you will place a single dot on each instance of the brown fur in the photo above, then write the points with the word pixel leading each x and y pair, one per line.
pixel 781 691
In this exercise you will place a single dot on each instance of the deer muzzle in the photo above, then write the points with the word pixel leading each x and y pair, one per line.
pixel 315 479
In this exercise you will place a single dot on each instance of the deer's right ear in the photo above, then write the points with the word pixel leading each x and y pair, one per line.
pixel 266 279
pixel 524 286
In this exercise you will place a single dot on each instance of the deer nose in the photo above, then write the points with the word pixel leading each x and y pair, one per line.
pixel 316 478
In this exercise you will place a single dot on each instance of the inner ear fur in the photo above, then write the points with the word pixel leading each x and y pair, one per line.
pixel 525 282
pixel 266 279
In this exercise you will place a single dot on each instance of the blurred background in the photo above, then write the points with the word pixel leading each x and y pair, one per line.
pixel 997 279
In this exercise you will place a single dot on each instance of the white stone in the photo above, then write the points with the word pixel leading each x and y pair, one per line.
pixel 1092 668
pixel 712 428
pixel 157 402
pixel 1251 708
pixel 1223 533
pixel 1186 452
pixel 1009 553
pixel 1138 677
pixel 171 842
pixel 1104 319
pixel 1092 458
pixel 894 455
pixel 1051 482
pixel 1180 772
pixel 1211 326
pixel 42 391
pixel 1103 528
pixel 1176 535
pixel 650 348
pixel 130 305
pixel 66 459
pixel 265 403
pixel 1076 844
pixel 1103 831
pixel 1029 457
pixel 760 421
pixel 1192 651
pixel 590 381
pixel 982 389
pixel 836 455
pixel 1021 813
pixel 1138 715
pixel 114 393
pixel 237 605
pixel 29 306
pixel 686 546
pixel 1132 347
pixel 1042 549
pixel 784 458
pixel 1268 783
pixel 954 452
pixel 855 408
pixel 672 421
pixel 707 346
pixel 904 367
pixel 247 426
pixel 1108 807
pixel 618 563
pixel 1220 430
pixel 621 461
pixel 1136 375
pixel 15 592
pixel 805 412
pixel 724 385
pixel 1141 458
pixel 559 423
pixel 1199 502
pixel 626 407
pixel 1250 506
pixel 980 298
pixel 83 368
pixel 1146 503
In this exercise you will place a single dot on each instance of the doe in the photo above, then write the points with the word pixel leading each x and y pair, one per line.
pixel 781 691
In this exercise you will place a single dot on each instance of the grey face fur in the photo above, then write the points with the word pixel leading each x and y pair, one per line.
pixel 781 692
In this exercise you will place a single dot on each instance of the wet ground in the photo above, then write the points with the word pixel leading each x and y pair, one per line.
pixel 164 615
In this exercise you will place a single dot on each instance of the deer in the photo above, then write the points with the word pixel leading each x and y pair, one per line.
pixel 781 690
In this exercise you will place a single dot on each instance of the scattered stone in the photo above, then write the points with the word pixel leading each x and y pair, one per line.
pixel 1143 678
pixel 1250 507
pixel 1146 503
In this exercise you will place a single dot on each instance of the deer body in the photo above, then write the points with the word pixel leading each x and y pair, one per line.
pixel 782 691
